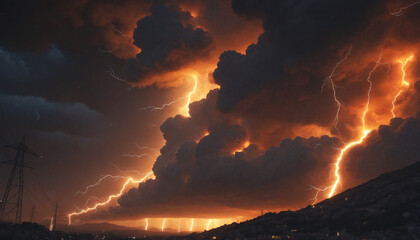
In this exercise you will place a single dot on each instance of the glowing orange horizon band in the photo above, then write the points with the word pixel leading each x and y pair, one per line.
pixel 130 180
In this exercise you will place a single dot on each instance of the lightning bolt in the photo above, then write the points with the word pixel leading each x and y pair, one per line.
pixel 403 82
pixel 119 31
pixel 365 132
pixel 97 183
pixel 334 86
pixel 113 75
pixel 318 190
pixel 126 171
pixel 137 155
pixel 360 140
pixel 400 11
pixel 86 210
pixel 163 225
pixel 208 225
pixel 338 161
pixel 192 224
pixel 187 105
pixel 89 199
pixel 107 52
pixel 147 224
pixel 188 97
pixel 144 147
pixel 370 89
pixel 130 179
pixel 155 108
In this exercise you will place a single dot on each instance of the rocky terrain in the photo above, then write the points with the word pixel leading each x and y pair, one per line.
pixel 387 207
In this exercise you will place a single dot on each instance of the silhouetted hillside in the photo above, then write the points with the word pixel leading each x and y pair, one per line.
pixel 31 231
pixel 387 207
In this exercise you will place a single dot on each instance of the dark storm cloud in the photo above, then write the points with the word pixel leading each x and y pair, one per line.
pixel 169 40
pixel 71 25
pixel 293 31
pixel 281 76
pixel 18 68
pixel 277 84
pixel 55 89
pixel 388 148
pixel 268 93
pixel 36 113
pixel 204 170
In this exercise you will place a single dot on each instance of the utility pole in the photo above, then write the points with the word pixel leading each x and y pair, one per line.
pixel 32 213
pixel 13 194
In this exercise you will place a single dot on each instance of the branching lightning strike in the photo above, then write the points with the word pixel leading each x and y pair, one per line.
pixel 137 155
pixel 338 161
pixel 365 132
pixel 99 182
pixel 318 190
pixel 403 82
pixel 89 199
pixel 119 31
pixel 334 86
pixel 400 11
pixel 130 180
pixel 126 171
pixel 149 174
pixel 156 108
pixel 113 75
pixel 188 96
pixel 145 147
pixel 370 89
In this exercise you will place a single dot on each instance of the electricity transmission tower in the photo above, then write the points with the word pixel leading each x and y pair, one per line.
pixel 13 194
pixel 32 213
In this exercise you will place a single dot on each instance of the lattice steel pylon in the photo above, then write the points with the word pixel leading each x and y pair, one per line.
pixel 13 194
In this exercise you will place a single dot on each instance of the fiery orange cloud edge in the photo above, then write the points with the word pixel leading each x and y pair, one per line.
pixel 337 163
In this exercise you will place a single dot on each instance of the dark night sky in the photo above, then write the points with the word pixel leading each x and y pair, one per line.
pixel 76 75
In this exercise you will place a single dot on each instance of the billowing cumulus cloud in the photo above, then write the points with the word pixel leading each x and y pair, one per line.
pixel 169 39
pixel 258 142
pixel 57 91
pixel 388 148
pixel 271 97
pixel 206 170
